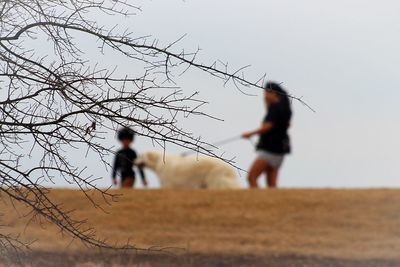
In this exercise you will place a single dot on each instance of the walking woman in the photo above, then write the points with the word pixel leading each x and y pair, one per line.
pixel 274 141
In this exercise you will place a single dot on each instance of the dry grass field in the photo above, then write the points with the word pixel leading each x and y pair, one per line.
pixel 226 228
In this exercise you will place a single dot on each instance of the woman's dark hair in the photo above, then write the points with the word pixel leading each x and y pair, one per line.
pixel 283 95
pixel 126 133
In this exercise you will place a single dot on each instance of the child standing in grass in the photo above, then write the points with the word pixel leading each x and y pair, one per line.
pixel 124 161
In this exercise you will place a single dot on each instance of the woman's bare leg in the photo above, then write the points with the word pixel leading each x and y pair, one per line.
pixel 258 167
pixel 272 177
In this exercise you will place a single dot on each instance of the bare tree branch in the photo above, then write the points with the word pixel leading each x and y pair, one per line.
pixel 52 103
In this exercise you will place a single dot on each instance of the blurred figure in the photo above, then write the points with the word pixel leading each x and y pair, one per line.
pixel 124 160
pixel 274 140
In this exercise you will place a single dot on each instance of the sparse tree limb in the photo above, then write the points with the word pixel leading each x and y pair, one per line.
pixel 50 103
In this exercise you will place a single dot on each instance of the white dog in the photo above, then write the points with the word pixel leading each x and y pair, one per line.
pixel 190 171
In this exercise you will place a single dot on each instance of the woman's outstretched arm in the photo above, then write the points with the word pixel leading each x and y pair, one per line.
pixel 265 127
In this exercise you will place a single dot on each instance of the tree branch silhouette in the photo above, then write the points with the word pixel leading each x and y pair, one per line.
pixel 63 100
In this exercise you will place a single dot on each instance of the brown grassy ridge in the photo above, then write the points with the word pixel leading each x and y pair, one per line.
pixel 352 224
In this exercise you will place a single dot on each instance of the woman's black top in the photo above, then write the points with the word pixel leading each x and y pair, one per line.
pixel 123 163
pixel 276 140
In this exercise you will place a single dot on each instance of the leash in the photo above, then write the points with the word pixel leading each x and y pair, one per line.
pixel 227 141
pixel 217 144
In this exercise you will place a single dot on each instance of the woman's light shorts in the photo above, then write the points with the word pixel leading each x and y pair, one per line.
pixel 274 160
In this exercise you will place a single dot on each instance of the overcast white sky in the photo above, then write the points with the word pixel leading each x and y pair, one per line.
pixel 341 56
